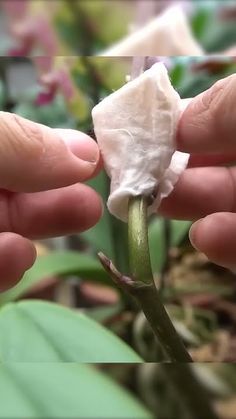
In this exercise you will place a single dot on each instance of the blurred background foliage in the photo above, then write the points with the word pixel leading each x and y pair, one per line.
pixel 66 308
pixel 199 296
pixel 81 27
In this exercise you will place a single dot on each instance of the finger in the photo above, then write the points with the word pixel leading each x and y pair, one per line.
pixel 201 191
pixel 215 235
pixel 34 157
pixel 17 255
pixel 83 146
pixel 199 160
pixel 208 123
pixel 68 210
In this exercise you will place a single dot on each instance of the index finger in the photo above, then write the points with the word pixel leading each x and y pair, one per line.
pixel 208 124
pixel 34 157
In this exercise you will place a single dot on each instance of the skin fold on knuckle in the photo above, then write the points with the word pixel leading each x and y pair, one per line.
pixel 209 105
pixel 20 139
pixel 218 103
pixel 209 118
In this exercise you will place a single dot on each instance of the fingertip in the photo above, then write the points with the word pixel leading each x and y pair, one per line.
pixel 188 123
pixel 17 255
pixel 80 144
pixel 36 158
pixel 85 161
pixel 90 208
pixel 215 236
pixel 30 252
pixel 194 233
pixel 206 233
pixel 209 118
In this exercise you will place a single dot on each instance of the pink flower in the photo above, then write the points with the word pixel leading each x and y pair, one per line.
pixel 53 82
pixel 45 98
pixel 21 51
pixel 44 64
pixel 15 9
pixel 30 30
pixel 35 32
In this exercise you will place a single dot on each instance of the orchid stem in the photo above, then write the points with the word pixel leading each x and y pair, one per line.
pixel 146 292
pixel 189 390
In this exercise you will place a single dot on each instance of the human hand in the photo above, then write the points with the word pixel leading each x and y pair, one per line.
pixel 40 196
pixel 205 191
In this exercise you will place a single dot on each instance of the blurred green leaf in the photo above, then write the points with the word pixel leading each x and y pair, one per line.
pixel 186 333
pixel 55 114
pixel 218 36
pixel 214 33
pixel 156 244
pixel 2 95
pixel 227 372
pixel 116 15
pixel 193 288
pixel 203 322
pixel 199 22
pixel 111 71
pixel 63 390
pixel 177 73
pixel 110 234
pixel 35 331
pixel 89 26
pixel 179 230
pixel 195 83
pixel 103 313
pixel 192 81
pixel 211 379
pixel 57 264
pixel 100 236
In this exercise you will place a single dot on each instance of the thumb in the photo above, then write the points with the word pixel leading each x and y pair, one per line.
pixel 34 157
pixel 215 235
pixel 208 123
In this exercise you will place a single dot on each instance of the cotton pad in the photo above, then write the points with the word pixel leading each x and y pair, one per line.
pixel 166 35
pixel 135 129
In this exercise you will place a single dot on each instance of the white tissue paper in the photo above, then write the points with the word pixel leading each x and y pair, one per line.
pixel 135 129
pixel 166 35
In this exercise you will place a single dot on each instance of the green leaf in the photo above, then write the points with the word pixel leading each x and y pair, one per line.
pixel 211 380
pixel 199 22
pixel 213 33
pixel 195 83
pixel 186 334
pixel 179 230
pixel 57 264
pixel 177 73
pixel 35 331
pixel 55 114
pixel 226 372
pixel 156 244
pixel 103 313
pixel 62 390
pixel 100 236
pixel 2 95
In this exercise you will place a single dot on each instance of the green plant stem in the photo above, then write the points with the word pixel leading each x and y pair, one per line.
pixel 119 232
pixel 144 289
pixel 189 391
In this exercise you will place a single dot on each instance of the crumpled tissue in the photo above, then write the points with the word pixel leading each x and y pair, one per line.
pixel 135 129
pixel 167 34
